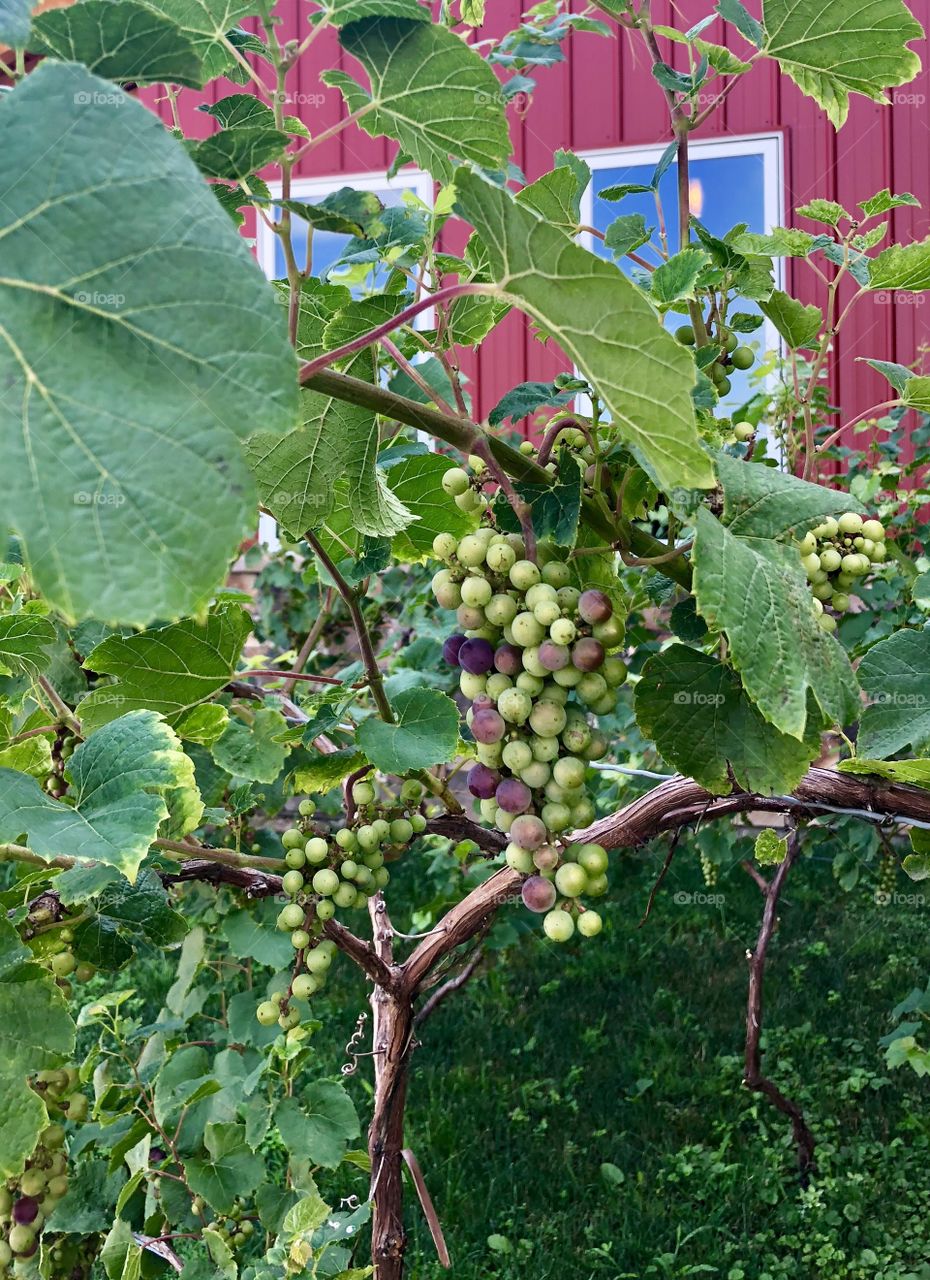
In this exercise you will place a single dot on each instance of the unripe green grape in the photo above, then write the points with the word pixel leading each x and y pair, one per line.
pixel 344 895
pixel 515 705
pixel 532 664
pixel 517 755
pixel 496 684
pixel 592 857
pixel 488 753
pixel 547 612
pixel 33 1183
pixel 6 1201
pixel 488 811
pixel 571 880
pixel 381 828
pixel 684 334
pixel 557 817
pixel 401 831
pixel 375 860
pixel 448 595
pixel 292 883
pixel 267 1013
pixel 830 559
pixel 589 924
pixel 558 925
pixel 316 850
pixel 827 622
pixel 526 630
pixel 305 985
pixel 605 706
pixel 504 820
pixel 844 581
pixel 591 686
pixel 292 838
pixel 828 529
pixel 567 678
pixel 6 1254
pixel 501 610
pixel 597 747
pixel 556 573
pixel 743 431
pixel 382 878
pixel 724 386
pixel 576 736
pixel 476 592
pixel 743 358
pixel 610 632
pixel 468 501
pixel 533 685
pixel 325 910
pixel 583 813
pixel 568 598
pixel 418 822
pixel 363 792
pixel 569 771
pixel 471 551
pixel 519 859
pixel 852 565
pixel 816 579
pixel 368 838
pixel 822 591
pixel 455 481
pixel 807 545
pixel 412 791
pixel 325 882
pixel 880 553
pixel 348 868
pixel 562 631
pixel 539 594
pixel 471 685
pixel 535 775
pixel 559 794
pixel 486 535
pixel 524 574
pixel 867 548
pixel 850 522
pixel 292 916
pixel 615 672
pixel 547 719
pixel 300 939
pixel 840 601
pixel 295 859
pixel 318 960
pixel 288 1020
pixel 345 838
pixel 811 563
pixel 501 557
pixel 544 749
pixel 874 529
pixel 444 546
pixel 818 605
pixel 277 998
pixel 63 964
pixel 552 692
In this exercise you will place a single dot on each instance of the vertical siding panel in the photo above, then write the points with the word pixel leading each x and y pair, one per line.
pixel 319 106
pixel 643 115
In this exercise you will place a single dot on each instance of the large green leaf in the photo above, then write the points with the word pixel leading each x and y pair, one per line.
pixel 206 22
pixel 122 409
pixel 895 673
pixel 231 1169
pixel 36 1032
pixel 168 669
pixel 764 502
pixel 14 21
pixel 695 711
pixel 603 324
pixel 902 266
pixel 252 750
pixel 429 90
pixel 417 482
pixel 238 152
pixel 318 1125
pixel 123 42
pixel 755 591
pixel 119 780
pixel 916 773
pixel 341 12
pixel 832 48
pixel 798 324
pixel 24 641
pixel 425 732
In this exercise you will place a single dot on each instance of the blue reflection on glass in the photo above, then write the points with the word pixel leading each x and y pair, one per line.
pixel 327 245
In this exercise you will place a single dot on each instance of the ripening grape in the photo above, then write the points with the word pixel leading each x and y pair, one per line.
pixel 513 796
pixel 594 606
pixel 538 894
pixel 528 831
pixel 482 781
pixel 508 659
pixel 588 654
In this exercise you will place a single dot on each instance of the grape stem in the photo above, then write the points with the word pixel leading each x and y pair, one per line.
pixel 522 510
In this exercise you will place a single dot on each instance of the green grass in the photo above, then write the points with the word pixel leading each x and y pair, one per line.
pixel 626 1052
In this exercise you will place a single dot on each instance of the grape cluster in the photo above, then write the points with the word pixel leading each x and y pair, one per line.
pixel 235 1228
pixel 836 556
pixel 27 1201
pixel 709 869
pixel 887 877
pixel 733 355
pixel 63 749
pixel 533 662
pixel 46 928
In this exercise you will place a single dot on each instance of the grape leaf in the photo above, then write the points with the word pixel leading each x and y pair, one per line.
pixel 695 711
pixel 676 278
pixel 14 22
pixel 555 507
pixel 755 590
pixel 525 399
pixel 252 935
pixel 895 673
pixel 735 11
pixel 122 367
pixel 252 750
pixel 232 1169
pixel 831 48
pixel 554 197
pixel 326 771
pixel 916 394
pixel 883 201
pixel 119 779
pixel 902 266
pixel 626 233
pixel 24 641
pixel 341 12
pixel 168 669
pixel 430 91
pixel 764 502
pixel 206 22
pixel 417 483
pixel 425 732
pixel 122 42
pixel 798 324
pixel 603 324
pixel 827 211
pixel 236 153
pixel 318 1126
pixel 36 1032
pixel 915 773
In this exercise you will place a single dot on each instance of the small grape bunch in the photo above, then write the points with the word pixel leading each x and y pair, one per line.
pixel 236 1227
pixel 46 930
pixel 838 555
pixel 887 878
pixel 27 1201
pixel 557 882
pixel 733 355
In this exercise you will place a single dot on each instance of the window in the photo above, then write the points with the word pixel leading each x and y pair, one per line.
pixel 327 245
pixel 732 180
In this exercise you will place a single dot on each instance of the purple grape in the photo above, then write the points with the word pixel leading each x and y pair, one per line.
pixel 538 894
pixel 546 858
pixel 594 606
pixel 488 726
pixel 508 659
pixel 482 781
pixel 25 1210
pixel 476 657
pixel 528 831
pixel 553 656
pixel 481 702
pixel 587 654
pixel 450 649
pixel 513 796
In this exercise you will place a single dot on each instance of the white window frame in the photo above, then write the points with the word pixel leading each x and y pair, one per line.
pixel 417 180
pixel 302 188
pixel 771 146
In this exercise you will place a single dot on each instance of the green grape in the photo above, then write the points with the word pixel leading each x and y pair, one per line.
pixel 444 546
pixel 743 358
pixel 295 859
pixel 571 880
pixel 524 574
pixel 292 883
pixel 63 964
pixel 267 1013
pixel 557 817
pixel 535 775
pixel 455 481
pixel 850 523
pixel 305 985
pixel 319 959
pixel 317 850
pixel 325 910
pixel 476 592
pixel 292 916
pixel 363 792
pixel 558 925
pixel 874 529
pixel 345 838
pixel 610 632
pixel 325 882
pixel 345 895
pixel 685 335
pixel 401 831
pixel 556 574
pixel 533 685
pixel 368 838
pixel 517 755
pixel 589 924
pixel 382 828
pixel 471 551
pixel 501 610
pixel 292 838
pixel 569 771
pixel 418 822
pixel 300 939
pixel 288 1020
pixel 519 859
pixel 743 431
pixel 515 705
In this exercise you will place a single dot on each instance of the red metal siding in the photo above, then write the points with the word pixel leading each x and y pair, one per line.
pixel 604 96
